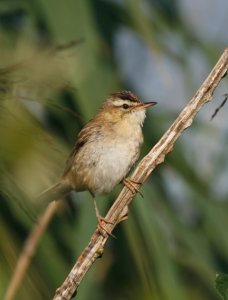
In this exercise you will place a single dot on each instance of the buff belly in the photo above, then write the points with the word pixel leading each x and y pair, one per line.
pixel 102 172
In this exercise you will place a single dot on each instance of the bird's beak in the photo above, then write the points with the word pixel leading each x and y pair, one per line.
pixel 148 104
pixel 143 105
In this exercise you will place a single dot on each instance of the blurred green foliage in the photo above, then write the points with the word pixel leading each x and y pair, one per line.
pixel 221 284
pixel 175 239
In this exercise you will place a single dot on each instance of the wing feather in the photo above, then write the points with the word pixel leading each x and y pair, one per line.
pixel 87 134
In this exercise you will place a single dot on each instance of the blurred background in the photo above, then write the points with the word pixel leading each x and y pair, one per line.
pixel 59 60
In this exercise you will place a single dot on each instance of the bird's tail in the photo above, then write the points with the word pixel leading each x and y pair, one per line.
pixel 55 192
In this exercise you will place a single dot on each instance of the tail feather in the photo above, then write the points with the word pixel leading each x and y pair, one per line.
pixel 55 192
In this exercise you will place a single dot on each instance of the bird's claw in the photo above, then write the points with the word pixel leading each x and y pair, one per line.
pixel 132 186
pixel 101 227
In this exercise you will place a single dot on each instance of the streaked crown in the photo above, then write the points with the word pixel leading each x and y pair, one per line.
pixel 125 95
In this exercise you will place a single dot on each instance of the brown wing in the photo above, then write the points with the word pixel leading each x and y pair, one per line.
pixel 86 135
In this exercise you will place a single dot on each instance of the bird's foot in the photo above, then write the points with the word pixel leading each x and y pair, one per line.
pixel 132 185
pixel 101 221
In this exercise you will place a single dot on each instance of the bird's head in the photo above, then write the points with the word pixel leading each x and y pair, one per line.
pixel 126 106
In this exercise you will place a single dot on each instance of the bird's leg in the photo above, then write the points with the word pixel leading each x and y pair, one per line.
pixel 132 186
pixel 101 219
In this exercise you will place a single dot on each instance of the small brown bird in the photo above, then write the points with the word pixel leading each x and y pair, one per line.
pixel 105 150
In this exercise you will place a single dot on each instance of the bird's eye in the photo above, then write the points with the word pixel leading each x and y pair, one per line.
pixel 125 106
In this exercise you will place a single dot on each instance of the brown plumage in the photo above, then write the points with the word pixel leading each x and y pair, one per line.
pixel 105 150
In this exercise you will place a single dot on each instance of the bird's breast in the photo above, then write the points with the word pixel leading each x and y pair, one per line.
pixel 117 154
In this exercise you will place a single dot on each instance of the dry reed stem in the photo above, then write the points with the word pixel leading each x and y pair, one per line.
pixel 118 211
pixel 29 250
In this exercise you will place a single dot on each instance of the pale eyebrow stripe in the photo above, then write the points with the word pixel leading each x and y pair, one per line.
pixel 120 102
